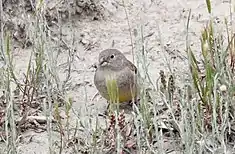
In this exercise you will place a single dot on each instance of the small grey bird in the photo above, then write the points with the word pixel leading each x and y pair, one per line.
pixel 113 65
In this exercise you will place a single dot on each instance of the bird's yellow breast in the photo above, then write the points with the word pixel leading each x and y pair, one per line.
pixel 115 86
pixel 125 96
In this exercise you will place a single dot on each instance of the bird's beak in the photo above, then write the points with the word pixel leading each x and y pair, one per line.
pixel 103 63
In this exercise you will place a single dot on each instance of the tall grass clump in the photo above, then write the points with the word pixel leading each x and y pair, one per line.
pixel 213 85
pixel 39 90
pixel 199 113
pixel 10 125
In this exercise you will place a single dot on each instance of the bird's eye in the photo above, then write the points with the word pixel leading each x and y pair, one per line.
pixel 112 56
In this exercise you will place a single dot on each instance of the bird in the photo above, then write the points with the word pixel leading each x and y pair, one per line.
pixel 113 65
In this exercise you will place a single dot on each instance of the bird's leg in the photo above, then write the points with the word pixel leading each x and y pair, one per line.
pixel 136 102
pixel 108 107
pixel 130 102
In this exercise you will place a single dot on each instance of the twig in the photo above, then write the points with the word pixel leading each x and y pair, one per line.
pixel 129 25
pixel 1 30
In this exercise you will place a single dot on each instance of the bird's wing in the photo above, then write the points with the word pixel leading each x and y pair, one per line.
pixel 131 66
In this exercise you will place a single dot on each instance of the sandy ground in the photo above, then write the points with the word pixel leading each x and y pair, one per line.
pixel 167 17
